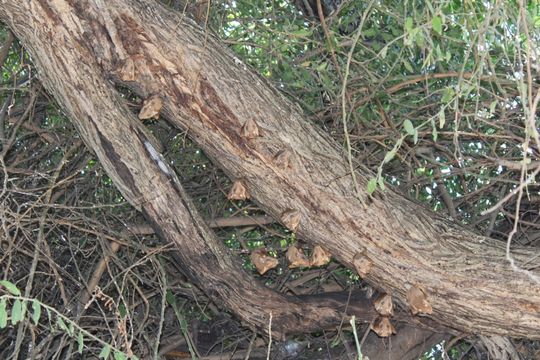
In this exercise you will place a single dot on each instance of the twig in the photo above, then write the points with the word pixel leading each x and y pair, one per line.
pixel 523 184
pixel 250 347
pixel 344 102
pixel 84 295
pixel 162 312
pixel 329 39
pixel 269 337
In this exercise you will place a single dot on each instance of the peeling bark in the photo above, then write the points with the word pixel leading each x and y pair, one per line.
pixel 207 91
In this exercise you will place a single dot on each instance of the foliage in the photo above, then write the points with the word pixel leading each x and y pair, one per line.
pixel 55 321
pixel 437 94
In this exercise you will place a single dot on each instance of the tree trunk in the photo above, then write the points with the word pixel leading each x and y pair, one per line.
pixel 254 133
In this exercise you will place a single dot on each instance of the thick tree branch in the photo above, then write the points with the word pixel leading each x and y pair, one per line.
pixel 56 35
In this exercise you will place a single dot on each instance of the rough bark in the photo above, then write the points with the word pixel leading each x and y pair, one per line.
pixel 212 95
pixel 57 38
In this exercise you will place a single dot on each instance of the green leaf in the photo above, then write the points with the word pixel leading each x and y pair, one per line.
pixel 409 127
pixel 36 311
pixel 119 356
pixel 383 52
pixel 436 24
pixel 16 312
pixel 80 342
pixel 171 299
pixel 428 59
pixel 420 40
pixel 492 106
pixel 415 136
pixel 408 24
pixel 105 352
pixel 395 31
pixel 122 310
pixel 442 118
pixel 10 287
pixel 390 155
pixel 3 313
pixel 439 53
pixel 369 32
pixel 303 32
pixel 448 95
pixel 322 66
pixel 408 66
pixel 371 186
pixel 61 324
pixel 408 40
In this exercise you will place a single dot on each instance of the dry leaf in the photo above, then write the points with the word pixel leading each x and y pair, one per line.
pixel 151 108
pixel 384 305
pixel 418 301
pixel 262 261
pixel 320 256
pixel 362 263
pixel 238 191
pixel 291 219
pixel 250 130
pixel 127 71
pixel 283 159
pixel 383 327
pixel 297 258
